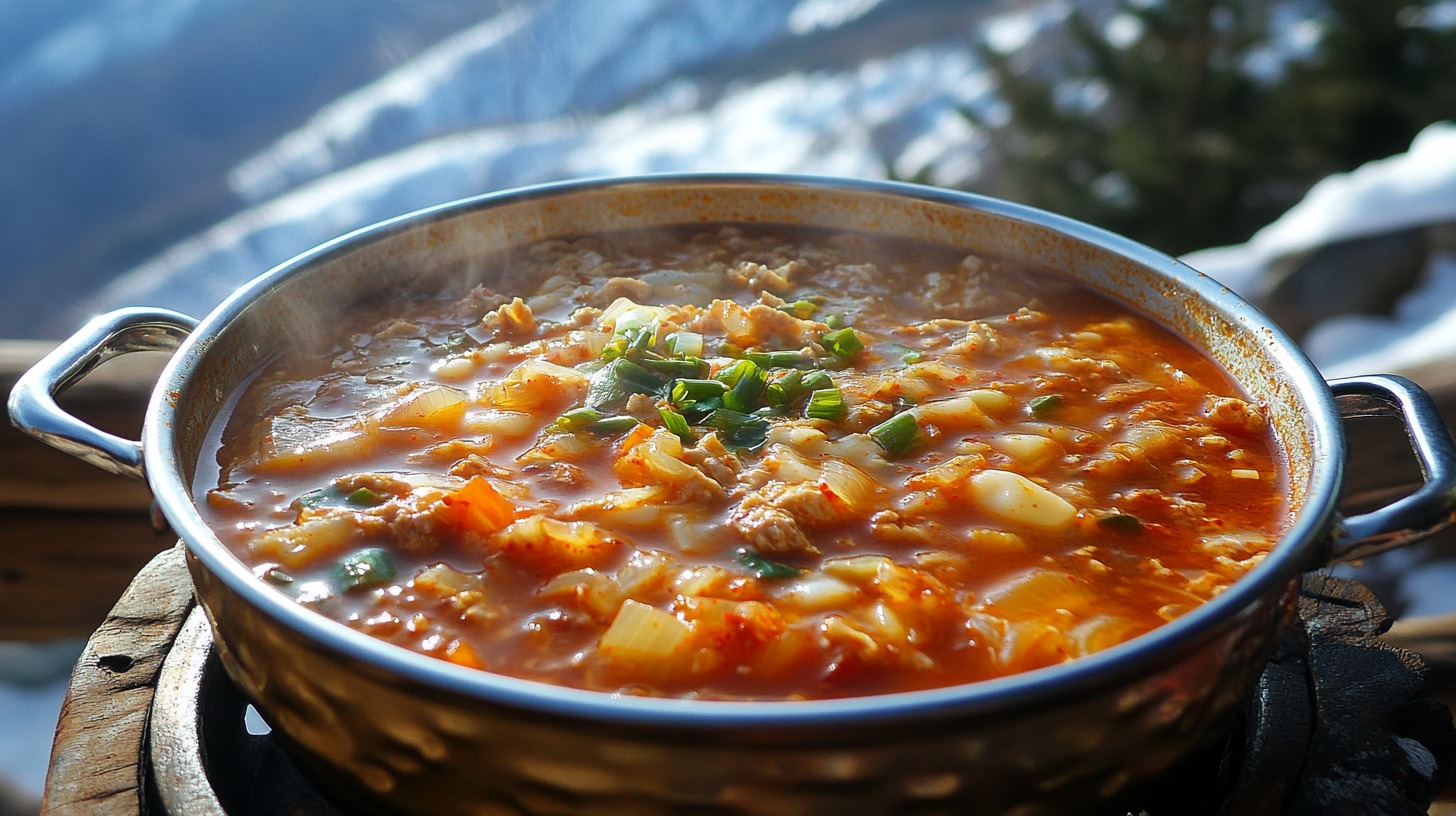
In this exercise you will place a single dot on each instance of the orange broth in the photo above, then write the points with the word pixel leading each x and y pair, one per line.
pixel 749 464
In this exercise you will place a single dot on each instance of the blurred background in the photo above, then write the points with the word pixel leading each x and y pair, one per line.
pixel 162 152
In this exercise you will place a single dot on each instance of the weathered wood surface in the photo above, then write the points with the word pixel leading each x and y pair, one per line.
pixel 72 537
pixel 96 768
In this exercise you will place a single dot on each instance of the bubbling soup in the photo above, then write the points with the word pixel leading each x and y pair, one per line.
pixel 748 463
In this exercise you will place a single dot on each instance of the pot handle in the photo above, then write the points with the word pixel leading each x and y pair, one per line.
pixel 33 407
pixel 1433 505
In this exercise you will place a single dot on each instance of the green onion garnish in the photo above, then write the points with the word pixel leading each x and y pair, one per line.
pixel 802 309
pixel 836 320
pixel 786 388
pixel 898 434
pixel 842 343
pixel 614 425
pixel 678 424
pixel 364 497
pixel 764 568
pixel 1045 404
pixel 592 420
pixel 745 386
pixel 688 391
pixel 621 378
pixel 365 568
pixel 739 430
pixel 323 497
pixel 817 380
pixel 826 403
pixel 913 356
pixel 779 359
pixel 690 367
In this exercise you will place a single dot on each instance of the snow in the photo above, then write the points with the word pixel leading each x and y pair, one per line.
pixel 1415 188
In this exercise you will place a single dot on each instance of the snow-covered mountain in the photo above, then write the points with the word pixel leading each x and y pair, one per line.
pixel 477 96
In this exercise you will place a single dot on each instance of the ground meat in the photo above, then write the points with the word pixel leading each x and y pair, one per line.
pixel 770 530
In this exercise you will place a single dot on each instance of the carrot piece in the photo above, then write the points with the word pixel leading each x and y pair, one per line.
pixel 478 507
pixel 459 652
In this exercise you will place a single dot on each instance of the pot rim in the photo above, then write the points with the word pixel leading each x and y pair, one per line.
pixel 1297 550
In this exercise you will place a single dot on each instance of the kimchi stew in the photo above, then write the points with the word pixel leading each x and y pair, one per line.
pixel 747 463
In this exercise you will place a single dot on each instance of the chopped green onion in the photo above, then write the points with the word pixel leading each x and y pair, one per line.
pixel 593 421
pixel 826 403
pixel 842 343
pixel 779 359
pixel 1120 522
pixel 612 385
pixel 912 356
pixel 786 388
pixel 746 382
pixel 817 380
pixel 365 568
pixel 802 309
pixel 614 424
pixel 685 344
pixel 764 568
pixel 691 367
pixel 685 392
pixel 835 320
pixel 364 497
pixel 577 419
pixel 678 424
pixel 323 497
pixel 1045 404
pixel 739 430
pixel 898 434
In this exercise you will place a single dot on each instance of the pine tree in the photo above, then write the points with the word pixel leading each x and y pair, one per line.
pixel 1196 133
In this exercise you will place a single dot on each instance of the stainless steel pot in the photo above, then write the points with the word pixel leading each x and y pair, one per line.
pixel 388 729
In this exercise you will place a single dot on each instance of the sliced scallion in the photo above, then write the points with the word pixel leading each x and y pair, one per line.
pixel 779 359
pixel 739 430
pixel 364 568
pixel 678 424
pixel 817 380
pixel 686 392
pixel 842 343
pixel 825 403
pixel 364 497
pixel 835 320
pixel 612 385
pixel 898 434
pixel 1045 404
pixel 802 309
pixel 745 382
pixel 593 421
pixel 765 568
pixel 690 367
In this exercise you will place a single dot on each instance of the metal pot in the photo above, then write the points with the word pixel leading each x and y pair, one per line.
pixel 388 729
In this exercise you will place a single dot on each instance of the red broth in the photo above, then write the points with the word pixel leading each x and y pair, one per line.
pixel 749 464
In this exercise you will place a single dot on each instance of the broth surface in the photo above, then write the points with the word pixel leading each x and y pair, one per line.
pixel 749 464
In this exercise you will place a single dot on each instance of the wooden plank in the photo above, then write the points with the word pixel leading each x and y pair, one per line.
pixel 61 571
pixel 96 767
